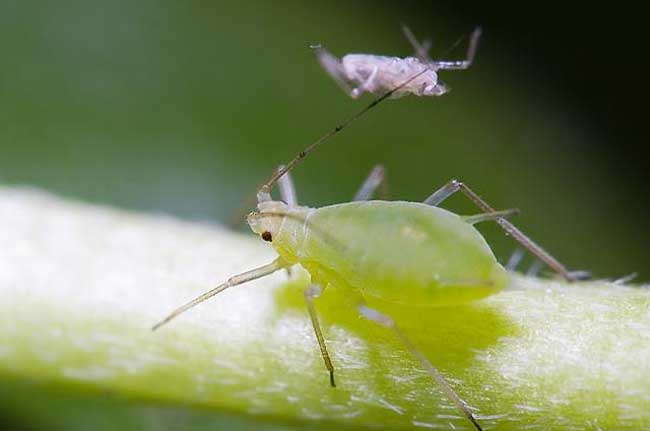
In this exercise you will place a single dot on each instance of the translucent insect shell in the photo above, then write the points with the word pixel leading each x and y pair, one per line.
pixel 399 252
pixel 379 74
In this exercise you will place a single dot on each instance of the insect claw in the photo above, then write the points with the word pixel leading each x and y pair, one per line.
pixel 332 382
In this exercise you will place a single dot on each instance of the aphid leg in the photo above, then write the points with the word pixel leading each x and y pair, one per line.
pixel 366 85
pixel 333 67
pixel 235 280
pixel 387 321
pixel 421 49
pixel 515 259
pixel 469 58
pixel 454 185
pixel 374 180
pixel 313 291
pixel 492 216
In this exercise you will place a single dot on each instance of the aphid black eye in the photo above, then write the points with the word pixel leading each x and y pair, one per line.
pixel 266 236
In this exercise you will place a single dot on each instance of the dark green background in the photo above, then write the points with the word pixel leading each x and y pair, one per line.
pixel 184 107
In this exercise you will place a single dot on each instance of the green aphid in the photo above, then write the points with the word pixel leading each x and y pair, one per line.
pixel 370 247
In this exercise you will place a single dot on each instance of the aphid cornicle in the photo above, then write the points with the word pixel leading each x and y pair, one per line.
pixel 405 253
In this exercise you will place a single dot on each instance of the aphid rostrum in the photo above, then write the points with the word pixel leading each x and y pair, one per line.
pixel 360 73
pixel 410 253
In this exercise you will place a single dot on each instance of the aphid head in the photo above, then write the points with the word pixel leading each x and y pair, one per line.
pixel 267 219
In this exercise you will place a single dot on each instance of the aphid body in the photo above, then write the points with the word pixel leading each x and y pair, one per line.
pixel 402 252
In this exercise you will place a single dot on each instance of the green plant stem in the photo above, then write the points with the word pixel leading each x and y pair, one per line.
pixel 81 285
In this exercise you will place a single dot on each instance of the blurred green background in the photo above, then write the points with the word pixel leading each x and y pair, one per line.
pixel 184 107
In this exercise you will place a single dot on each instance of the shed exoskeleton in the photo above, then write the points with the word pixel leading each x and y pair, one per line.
pixel 367 73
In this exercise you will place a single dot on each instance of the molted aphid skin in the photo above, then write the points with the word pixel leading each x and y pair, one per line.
pixel 389 72
pixel 378 74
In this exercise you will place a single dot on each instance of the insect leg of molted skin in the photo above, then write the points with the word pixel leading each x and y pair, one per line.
pixel 469 56
pixel 454 186
pixel 366 85
pixel 421 49
pixel 334 68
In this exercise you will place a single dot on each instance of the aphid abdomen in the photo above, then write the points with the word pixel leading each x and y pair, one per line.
pixel 403 252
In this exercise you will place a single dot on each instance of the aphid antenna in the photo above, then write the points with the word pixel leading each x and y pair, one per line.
pixel 264 193
pixel 236 280
pixel 253 274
